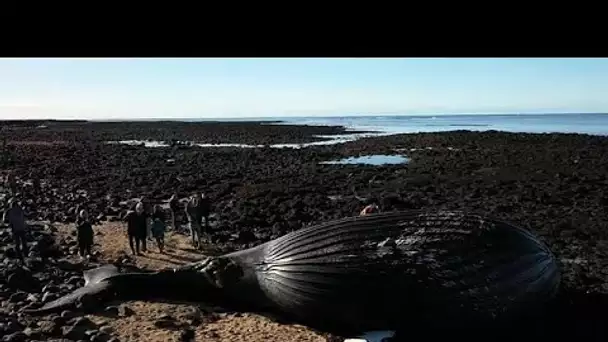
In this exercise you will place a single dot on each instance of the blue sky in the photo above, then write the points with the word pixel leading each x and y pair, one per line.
pixel 123 88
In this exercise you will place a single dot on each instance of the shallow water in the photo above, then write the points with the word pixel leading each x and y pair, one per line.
pixel 333 139
pixel 395 124
pixel 377 159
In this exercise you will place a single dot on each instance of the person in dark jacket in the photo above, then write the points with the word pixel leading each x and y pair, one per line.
pixel 205 211
pixel 137 228
pixel 148 210
pixel 76 213
pixel 158 227
pixel 84 233
pixel 174 207
pixel 11 181
pixel 193 214
pixel 36 184
pixel 16 221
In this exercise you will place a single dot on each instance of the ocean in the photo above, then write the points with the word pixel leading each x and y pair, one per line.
pixel 596 124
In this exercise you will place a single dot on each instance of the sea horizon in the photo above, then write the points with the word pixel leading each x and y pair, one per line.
pixel 287 117
pixel 291 117
pixel 588 123
pixel 582 123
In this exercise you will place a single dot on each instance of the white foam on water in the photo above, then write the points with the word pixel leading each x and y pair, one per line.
pixel 140 142
pixel 229 145
pixel 333 140
pixel 414 149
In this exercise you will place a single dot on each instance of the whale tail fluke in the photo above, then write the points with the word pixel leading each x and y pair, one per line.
pixel 97 287
pixel 105 284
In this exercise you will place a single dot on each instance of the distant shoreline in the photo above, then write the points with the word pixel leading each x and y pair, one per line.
pixel 588 123
pixel 279 118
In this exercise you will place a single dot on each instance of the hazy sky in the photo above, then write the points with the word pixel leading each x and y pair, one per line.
pixel 197 88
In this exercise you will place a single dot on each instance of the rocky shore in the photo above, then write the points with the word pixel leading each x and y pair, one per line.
pixel 555 184
pixel 46 277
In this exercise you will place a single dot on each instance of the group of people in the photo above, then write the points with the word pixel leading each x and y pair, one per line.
pixel 145 222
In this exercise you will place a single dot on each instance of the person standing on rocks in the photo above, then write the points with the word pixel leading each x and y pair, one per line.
pixel 76 213
pixel 136 228
pixel 16 221
pixel 148 211
pixel 174 207
pixel 84 233
pixel 193 213
pixel 12 183
pixel 36 184
pixel 158 227
pixel 205 210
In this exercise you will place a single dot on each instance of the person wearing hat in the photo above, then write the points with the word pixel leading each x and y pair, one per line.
pixel 84 233
pixel 16 221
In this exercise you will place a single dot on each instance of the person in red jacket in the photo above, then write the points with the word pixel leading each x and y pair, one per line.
pixel 370 209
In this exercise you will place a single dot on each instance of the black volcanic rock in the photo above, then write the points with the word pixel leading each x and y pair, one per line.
pixel 555 184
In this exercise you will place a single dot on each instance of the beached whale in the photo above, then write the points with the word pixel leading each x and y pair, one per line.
pixel 384 271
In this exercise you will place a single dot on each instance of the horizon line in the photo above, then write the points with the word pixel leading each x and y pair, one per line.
pixel 250 118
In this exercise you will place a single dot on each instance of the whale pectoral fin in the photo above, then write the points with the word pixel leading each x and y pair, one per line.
pixel 219 271
pixel 100 273
pixel 373 336
pixel 92 292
